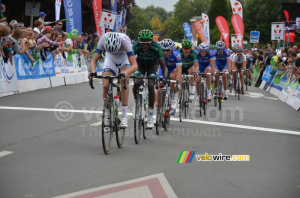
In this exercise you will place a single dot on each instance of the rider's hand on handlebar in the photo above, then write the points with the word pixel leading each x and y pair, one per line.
pixel 92 74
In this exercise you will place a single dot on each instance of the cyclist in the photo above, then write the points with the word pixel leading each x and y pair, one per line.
pixel 149 57
pixel 239 63
pixel 206 65
pixel 189 63
pixel 119 53
pixel 249 66
pixel 222 63
pixel 174 65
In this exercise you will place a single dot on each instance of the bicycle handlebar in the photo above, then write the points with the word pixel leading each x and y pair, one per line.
pixel 106 77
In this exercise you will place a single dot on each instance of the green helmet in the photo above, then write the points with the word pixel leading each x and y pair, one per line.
pixel 186 43
pixel 145 35
pixel 211 46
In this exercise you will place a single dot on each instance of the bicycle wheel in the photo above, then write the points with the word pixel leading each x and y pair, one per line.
pixel 181 103
pixel 246 81
pixel 167 113
pixel 220 95
pixel 238 87
pixel 186 102
pixel 145 131
pixel 205 100
pixel 201 101
pixel 107 129
pixel 120 133
pixel 137 121
pixel 159 113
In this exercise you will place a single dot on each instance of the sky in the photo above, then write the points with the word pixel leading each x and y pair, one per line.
pixel 167 4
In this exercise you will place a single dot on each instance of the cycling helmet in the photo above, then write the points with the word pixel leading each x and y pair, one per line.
pixel 145 35
pixel 220 45
pixel 167 44
pixel 203 46
pixel 247 56
pixel 112 42
pixel 186 43
pixel 239 50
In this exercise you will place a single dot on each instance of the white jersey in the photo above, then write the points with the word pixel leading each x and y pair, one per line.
pixel 126 46
pixel 232 55
pixel 238 60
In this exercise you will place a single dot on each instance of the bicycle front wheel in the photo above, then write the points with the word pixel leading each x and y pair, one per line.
pixel 186 102
pixel 238 87
pixel 220 96
pixel 167 113
pixel 159 112
pixel 107 125
pixel 137 121
pixel 201 98
pixel 181 104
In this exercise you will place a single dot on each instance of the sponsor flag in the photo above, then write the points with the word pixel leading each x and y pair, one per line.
pixel 200 30
pixel 287 16
pixel 187 30
pixel 224 29
pixel 205 20
pixel 237 7
pixel 57 9
pixel 113 8
pixel 238 25
pixel 73 14
pixel 97 8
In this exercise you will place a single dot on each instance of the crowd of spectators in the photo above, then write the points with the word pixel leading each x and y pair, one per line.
pixel 285 59
pixel 45 36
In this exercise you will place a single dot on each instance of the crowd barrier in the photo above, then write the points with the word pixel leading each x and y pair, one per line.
pixel 284 85
pixel 22 75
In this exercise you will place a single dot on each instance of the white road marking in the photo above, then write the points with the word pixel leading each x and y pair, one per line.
pixel 4 153
pixel 97 124
pixel 240 126
pixel 174 119
pixel 161 179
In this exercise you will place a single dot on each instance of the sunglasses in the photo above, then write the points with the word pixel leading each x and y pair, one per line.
pixel 166 50
pixel 145 42
pixel 220 49
pixel 239 54
pixel 203 50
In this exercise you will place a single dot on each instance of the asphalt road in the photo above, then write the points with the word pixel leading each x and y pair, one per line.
pixel 47 154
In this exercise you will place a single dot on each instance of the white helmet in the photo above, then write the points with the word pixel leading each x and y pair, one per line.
pixel 167 44
pixel 112 42
pixel 220 45
pixel 203 46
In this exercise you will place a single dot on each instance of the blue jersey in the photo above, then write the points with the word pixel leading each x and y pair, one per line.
pixel 204 61
pixel 173 60
pixel 221 60
pixel 249 60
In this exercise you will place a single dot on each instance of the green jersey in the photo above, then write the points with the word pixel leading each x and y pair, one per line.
pixel 154 54
pixel 188 61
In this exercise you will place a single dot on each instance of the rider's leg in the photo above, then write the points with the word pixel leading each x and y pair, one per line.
pixel 208 82
pixel 191 82
pixel 173 91
pixel 124 96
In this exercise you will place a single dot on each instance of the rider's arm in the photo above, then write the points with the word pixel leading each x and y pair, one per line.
pixel 229 64
pixel 163 67
pixel 244 65
pixel 96 57
pixel 212 65
pixel 196 67
pixel 133 63
pixel 179 73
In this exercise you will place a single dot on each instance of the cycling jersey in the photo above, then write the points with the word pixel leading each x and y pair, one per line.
pixel 154 54
pixel 204 61
pixel 188 61
pixel 221 60
pixel 239 60
pixel 248 66
pixel 172 62
pixel 231 56
pixel 117 59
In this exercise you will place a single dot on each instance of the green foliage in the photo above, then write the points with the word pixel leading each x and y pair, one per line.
pixel 218 8
pixel 159 12
pixel 138 22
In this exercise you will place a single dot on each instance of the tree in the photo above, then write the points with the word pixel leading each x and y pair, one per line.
pixel 156 24
pixel 138 22
pixel 160 12
pixel 218 8
pixel 259 14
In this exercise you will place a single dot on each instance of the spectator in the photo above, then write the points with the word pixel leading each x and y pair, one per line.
pixel 58 26
pixel 42 19
pixel 4 32
pixel 2 18
pixel 290 37
pixel 38 26
pixel 46 39
pixel 95 41
pixel 29 29
pixel 87 45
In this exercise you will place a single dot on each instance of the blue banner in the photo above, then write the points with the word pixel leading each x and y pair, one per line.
pixel 113 8
pixel 39 69
pixel 73 14
pixel 124 16
pixel 267 74
pixel 188 31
